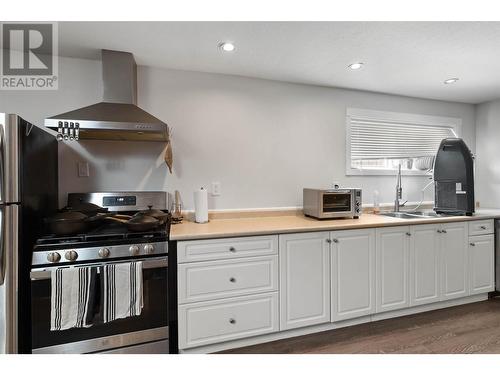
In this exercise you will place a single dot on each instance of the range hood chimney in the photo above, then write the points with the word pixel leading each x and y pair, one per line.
pixel 117 117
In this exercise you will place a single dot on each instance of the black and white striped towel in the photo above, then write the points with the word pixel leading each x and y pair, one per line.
pixel 71 297
pixel 121 291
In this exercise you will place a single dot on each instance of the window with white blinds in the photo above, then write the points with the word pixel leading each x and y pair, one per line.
pixel 380 141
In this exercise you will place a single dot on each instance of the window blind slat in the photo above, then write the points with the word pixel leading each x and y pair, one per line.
pixel 380 139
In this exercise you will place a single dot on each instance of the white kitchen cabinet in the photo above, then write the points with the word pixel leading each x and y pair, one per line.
pixel 236 288
pixel 304 279
pixel 392 268
pixel 482 264
pixel 424 264
pixel 353 273
pixel 454 260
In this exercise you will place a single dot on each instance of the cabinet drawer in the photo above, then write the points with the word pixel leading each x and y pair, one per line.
pixel 478 227
pixel 206 323
pixel 226 248
pixel 201 281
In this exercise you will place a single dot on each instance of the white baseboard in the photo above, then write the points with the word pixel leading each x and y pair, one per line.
pixel 329 326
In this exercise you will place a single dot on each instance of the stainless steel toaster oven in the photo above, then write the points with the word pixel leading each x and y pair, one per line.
pixel 332 203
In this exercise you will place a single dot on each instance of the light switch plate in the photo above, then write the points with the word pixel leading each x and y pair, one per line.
pixel 83 169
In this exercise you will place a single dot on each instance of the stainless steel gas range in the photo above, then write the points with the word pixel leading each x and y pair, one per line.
pixel 108 242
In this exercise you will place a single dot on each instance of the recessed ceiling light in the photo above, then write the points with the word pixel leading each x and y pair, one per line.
pixel 356 66
pixel 227 46
pixel 450 80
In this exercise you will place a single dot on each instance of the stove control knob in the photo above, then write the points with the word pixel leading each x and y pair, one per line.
pixel 134 249
pixel 53 257
pixel 71 255
pixel 149 249
pixel 104 252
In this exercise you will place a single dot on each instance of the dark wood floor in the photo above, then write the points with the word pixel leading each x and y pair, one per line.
pixel 472 328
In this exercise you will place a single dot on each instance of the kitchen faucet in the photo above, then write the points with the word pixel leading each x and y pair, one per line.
pixel 399 191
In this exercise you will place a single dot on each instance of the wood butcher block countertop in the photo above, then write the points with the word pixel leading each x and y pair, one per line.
pixel 250 226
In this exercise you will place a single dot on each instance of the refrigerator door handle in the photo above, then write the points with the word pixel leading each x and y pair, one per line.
pixel 3 256
pixel 9 243
pixel 11 152
pixel 2 165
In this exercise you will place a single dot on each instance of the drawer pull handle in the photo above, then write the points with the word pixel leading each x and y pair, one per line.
pixel 408 234
pixel 335 240
pixel 472 244
pixel 232 249
pixel 439 231
pixel 232 279
pixel 482 227
pixel 232 321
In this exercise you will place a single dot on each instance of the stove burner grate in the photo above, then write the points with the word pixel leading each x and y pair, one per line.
pixel 102 236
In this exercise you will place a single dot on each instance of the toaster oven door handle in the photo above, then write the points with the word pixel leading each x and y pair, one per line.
pixel 45 273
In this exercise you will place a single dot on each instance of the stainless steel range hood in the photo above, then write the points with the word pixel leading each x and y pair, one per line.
pixel 117 117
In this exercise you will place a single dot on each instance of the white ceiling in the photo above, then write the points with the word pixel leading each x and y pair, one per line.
pixel 405 58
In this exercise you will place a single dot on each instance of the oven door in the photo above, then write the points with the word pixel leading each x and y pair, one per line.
pixel 146 333
pixel 337 204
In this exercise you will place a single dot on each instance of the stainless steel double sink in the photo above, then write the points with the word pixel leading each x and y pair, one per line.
pixel 412 214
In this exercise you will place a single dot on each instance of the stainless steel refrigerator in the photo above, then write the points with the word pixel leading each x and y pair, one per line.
pixel 28 193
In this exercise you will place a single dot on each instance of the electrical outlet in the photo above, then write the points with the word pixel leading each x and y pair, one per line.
pixel 83 169
pixel 216 188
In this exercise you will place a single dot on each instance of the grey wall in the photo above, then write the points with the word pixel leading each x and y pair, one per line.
pixel 263 140
pixel 487 154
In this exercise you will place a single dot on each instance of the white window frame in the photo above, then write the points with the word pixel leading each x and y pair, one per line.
pixel 453 122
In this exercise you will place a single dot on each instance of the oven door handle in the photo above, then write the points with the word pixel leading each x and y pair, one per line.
pixel 45 273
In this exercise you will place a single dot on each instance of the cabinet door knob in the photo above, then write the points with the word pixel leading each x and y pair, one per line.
pixel 472 244
pixel 335 240
pixel 408 233
pixel 439 231
pixel 232 279
pixel 328 240
pixel 232 249
pixel 232 321
pixel 444 231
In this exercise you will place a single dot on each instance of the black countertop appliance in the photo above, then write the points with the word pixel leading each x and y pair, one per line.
pixel 454 178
